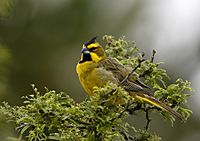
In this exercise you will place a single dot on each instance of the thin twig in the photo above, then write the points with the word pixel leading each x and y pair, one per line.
pixel 146 110
pixel 153 55
pixel 150 69
pixel 138 65
pixel 148 119
pixel 127 77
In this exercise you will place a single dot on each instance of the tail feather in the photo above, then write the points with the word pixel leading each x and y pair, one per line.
pixel 160 105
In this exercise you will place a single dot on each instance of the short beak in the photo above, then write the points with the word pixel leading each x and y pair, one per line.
pixel 85 50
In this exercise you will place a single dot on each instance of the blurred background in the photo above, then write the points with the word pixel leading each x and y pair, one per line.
pixel 40 42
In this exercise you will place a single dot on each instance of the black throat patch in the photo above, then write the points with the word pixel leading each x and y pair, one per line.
pixel 86 57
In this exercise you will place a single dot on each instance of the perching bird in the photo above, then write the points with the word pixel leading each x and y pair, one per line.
pixel 96 69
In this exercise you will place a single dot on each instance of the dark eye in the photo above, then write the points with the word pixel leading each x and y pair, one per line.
pixel 92 49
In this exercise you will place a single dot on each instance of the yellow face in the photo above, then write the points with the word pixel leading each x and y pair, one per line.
pixel 92 52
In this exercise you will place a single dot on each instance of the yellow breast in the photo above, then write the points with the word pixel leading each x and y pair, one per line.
pixel 86 77
pixel 90 75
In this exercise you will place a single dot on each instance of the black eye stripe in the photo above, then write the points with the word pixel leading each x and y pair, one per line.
pixel 92 49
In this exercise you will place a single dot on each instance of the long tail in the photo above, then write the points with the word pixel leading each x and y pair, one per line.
pixel 160 105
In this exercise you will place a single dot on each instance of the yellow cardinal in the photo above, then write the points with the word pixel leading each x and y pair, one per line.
pixel 96 69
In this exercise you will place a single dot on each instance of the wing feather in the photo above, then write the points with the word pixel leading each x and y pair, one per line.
pixel 120 72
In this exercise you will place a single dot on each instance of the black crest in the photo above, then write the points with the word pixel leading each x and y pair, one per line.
pixel 93 40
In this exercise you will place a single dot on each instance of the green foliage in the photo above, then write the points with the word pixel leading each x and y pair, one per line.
pixel 173 95
pixel 56 116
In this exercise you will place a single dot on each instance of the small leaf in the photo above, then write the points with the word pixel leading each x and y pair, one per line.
pixel 24 129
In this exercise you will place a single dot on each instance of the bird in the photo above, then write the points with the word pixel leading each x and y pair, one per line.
pixel 96 69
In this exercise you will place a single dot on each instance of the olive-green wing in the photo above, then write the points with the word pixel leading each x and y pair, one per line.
pixel 117 69
pixel 120 72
